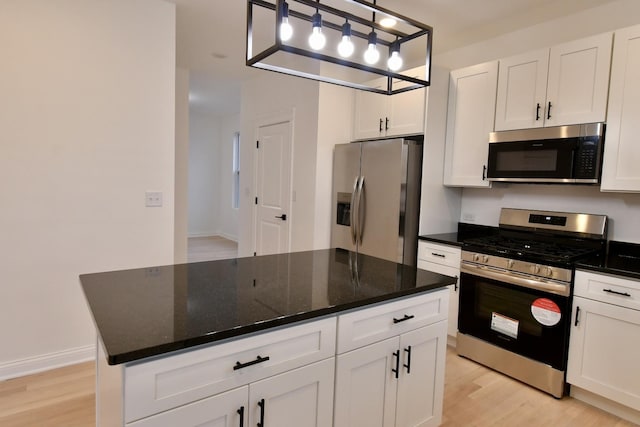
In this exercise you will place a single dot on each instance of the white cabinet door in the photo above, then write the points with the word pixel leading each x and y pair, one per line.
pixel 522 91
pixel 567 84
pixel 604 351
pixel 366 386
pixel 423 361
pixel 302 397
pixel 370 113
pixel 379 115
pixel 454 296
pixel 443 259
pixel 406 110
pixel 227 409
pixel 578 82
pixel 620 170
pixel 471 113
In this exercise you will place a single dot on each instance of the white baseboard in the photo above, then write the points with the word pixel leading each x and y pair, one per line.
pixel 32 365
pixel 225 235
pixel 202 234
pixel 605 404
pixel 229 237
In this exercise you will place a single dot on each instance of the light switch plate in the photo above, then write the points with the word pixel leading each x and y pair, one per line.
pixel 153 199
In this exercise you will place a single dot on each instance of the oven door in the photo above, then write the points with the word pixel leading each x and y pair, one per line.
pixel 531 322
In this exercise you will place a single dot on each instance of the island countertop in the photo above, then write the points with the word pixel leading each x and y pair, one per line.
pixel 147 312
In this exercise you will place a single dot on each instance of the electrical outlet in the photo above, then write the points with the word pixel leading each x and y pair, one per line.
pixel 153 199
pixel 466 216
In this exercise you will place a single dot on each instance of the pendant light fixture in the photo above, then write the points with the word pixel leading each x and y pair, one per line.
pixel 361 42
pixel 286 30
pixel 371 55
pixel 317 40
pixel 395 60
pixel 346 47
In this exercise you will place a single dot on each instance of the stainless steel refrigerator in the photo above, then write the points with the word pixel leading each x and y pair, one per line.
pixel 376 198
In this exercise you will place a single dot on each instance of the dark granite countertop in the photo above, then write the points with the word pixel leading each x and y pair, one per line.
pixel 151 311
pixel 465 231
pixel 622 259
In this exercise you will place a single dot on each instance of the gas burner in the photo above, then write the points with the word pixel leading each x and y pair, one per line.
pixel 536 236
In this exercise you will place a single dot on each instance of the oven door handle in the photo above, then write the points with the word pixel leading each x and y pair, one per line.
pixel 489 273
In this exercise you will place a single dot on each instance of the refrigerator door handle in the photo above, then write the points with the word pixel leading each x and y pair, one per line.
pixel 352 211
pixel 361 209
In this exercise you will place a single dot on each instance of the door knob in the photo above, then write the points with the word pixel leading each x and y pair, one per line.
pixel 282 217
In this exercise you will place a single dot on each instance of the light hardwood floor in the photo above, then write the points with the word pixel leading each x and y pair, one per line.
pixel 474 397
pixel 210 248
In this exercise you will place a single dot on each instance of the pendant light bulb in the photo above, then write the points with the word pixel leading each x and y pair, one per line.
pixel 395 60
pixel 345 47
pixel 371 55
pixel 286 30
pixel 317 40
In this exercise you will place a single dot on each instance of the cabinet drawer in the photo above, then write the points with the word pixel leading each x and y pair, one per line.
pixel 439 254
pixel 369 325
pixel 611 289
pixel 165 383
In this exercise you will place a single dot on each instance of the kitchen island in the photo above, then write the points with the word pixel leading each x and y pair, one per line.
pixel 259 340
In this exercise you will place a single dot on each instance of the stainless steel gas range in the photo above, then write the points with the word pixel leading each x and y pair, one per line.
pixel 515 293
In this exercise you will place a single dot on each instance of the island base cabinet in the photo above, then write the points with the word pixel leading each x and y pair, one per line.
pixel 603 352
pixel 421 389
pixel 302 397
pixel 223 410
pixel 366 386
pixel 396 382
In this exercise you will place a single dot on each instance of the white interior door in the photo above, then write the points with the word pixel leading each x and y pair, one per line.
pixel 273 184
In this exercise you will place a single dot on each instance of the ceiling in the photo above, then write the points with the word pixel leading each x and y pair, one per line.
pixel 211 36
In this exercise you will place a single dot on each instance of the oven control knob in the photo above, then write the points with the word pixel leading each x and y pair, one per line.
pixel 510 263
pixel 535 269
pixel 476 257
pixel 549 272
pixel 485 258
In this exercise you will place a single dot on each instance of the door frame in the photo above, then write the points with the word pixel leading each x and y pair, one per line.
pixel 260 122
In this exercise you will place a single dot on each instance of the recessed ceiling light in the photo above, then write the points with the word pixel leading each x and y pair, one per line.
pixel 388 22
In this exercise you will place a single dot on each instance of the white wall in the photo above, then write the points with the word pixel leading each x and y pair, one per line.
pixel 210 175
pixel 483 205
pixel 204 166
pixel 227 216
pixel 86 126
pixel 439 205
pixel 267 96
pixel 181 207
pixel 335 126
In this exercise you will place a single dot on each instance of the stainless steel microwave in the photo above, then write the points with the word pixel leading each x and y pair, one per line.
pixel 562 154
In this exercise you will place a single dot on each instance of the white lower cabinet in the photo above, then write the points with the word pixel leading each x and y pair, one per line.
pixel 223 410
pixel 398 381
pixel 390 373
pixel 604 349
pixel 443 259
pixel 299 398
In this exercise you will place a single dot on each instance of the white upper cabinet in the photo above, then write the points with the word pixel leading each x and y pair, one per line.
pixel 379 115
pixel 566 84
pixel 471 113
pixel 620 170
pixel 522 90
